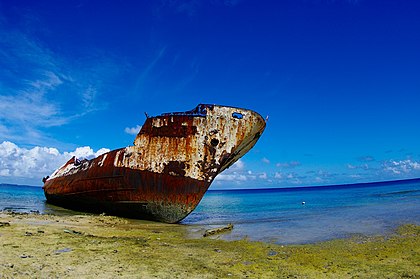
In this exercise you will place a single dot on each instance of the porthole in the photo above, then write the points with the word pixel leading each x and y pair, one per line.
pixel 214 142
pixel 237 115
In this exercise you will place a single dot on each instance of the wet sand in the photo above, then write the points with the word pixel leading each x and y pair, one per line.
pixel 92 246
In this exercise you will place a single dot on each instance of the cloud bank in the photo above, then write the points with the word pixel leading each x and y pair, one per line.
pixel 28 166
pixel 133 130
pixel 296 174
pixel 401 167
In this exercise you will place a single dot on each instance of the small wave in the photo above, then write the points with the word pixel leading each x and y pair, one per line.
pixel 398 193
pixel 238 221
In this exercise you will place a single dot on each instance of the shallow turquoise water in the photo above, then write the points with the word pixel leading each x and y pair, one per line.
pixel 279 215
pixel 295 215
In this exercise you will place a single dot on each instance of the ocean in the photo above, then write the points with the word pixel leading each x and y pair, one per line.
pixel 282 215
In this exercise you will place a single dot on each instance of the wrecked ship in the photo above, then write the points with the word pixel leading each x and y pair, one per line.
pixel 164 175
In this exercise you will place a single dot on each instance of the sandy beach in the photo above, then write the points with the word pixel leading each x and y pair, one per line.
pixel 92 246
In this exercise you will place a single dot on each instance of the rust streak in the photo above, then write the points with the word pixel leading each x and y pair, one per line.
pixel 174 159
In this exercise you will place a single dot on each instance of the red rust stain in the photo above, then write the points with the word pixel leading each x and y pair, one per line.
pixel 173 127
pixel 169 136
pixel 109 183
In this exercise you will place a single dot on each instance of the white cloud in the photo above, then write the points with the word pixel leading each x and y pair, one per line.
pixel 26 110
pixel 278 175
pixel 263 176
pixel 291 164
pixel 233 177
pixel 364 166
pixel 265 160
pixel 28 166
pixel 101 151
pixel 133 130
pixel 48 80
pixel 401 167
pixel 86 152
pixel 40 88
pixel 88 97
pixel 238 174
pixel 238 166
pixel 319 179
pixel 234 173
pixel 351 167
pixel 288 178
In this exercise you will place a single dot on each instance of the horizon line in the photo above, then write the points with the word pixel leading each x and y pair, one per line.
pixel 346 185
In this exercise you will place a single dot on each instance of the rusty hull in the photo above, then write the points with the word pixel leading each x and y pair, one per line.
pixel 164 175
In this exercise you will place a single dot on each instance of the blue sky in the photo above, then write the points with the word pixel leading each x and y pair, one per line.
pixel 339 80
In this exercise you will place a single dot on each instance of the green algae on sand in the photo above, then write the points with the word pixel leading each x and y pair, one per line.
pixel 87 246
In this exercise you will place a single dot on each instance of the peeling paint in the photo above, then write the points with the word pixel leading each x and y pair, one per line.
pixel 173 161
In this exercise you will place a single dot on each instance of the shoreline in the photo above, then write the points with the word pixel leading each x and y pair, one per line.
pixel 87 246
